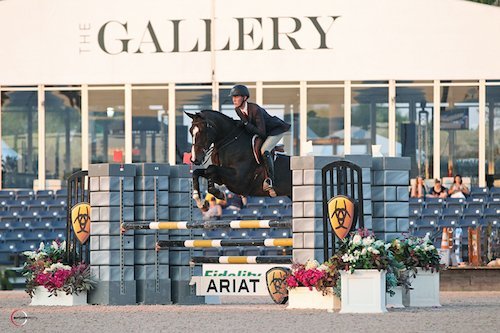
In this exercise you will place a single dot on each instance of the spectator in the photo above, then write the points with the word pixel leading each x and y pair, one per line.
pixel 235 201
pixel 214 211
pixel 457 189
pixel 438 191
pixel 221 202
pixel 418 190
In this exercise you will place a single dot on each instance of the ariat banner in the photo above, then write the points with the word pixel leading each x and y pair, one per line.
pixel 80 219
pixel 341 215
pixel 275 279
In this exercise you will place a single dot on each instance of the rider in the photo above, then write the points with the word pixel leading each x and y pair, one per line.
pixel 256 120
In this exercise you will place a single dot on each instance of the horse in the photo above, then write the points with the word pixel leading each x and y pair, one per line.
pixel 234 164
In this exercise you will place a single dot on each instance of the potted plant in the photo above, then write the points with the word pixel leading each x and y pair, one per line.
pixel 365 262
pixel 312 286
pixel 422 263
pixel 49 281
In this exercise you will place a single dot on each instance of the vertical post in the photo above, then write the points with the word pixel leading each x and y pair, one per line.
pixel 392 118
pixel 128 123
pixel 41 137
pixel 303 118
pixel 347 117
pixel 436 158
pixel 482 133
pixel 85 127
pixel 171 124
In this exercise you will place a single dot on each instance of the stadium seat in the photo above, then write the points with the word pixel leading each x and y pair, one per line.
pixel 211 252
pixel 217 234
pixel 469 221
pixel 452 202
pixel 228 214
pixel 475 211
pixel 7 195
pixel 421 233
pixel 249 213
pixel 416 201
pixel 478 191
pixel 279 233
pixel 495 192
pixel 255 202
pixel 431 212
pixel 451 212
pixel 495 205
pixel 491 211
pixel 449 222
pixel 286 213
pixel 7 216
pixel 62 193
pixel 38 204
pixel 238 234
pixel 25 194
pixel 270 213
pixel 415 210
pixel 44 194
pixel 277 202
pixel 251 251
pixel 231 251
pixel 434 202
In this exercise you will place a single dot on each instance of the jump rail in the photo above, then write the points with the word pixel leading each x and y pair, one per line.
pixel 225 242
pixel 233 224
pixel 242 260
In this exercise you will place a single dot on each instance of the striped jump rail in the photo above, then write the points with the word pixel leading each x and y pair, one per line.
pixel 242 260
pixel 233 224
pixel 225 242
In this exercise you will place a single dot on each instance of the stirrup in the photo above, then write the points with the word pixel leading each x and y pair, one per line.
pixel 267 185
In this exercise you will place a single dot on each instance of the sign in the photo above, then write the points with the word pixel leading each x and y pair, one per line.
pixel 241 280
pixel 276 286
pixel 80 220
pixel 341 214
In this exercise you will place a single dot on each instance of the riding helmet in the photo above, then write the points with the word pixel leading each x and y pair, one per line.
pixel 239 90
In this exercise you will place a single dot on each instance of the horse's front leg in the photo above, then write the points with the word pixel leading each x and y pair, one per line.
pixel 219 175
pixel 197 196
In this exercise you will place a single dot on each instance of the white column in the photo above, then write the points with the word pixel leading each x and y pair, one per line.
pixel 171 123
pixel 128 123
pixel 215 96
pixel 259 93
pixel 436 131
pixel 482 133
pixel 303 118
pixel 85 127
pixel 41 137
pixel 347 117
pixel 392 118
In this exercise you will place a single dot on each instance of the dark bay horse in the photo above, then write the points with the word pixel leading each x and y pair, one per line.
pixel 233 161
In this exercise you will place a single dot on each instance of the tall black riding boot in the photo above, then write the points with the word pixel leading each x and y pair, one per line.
pixel 269 165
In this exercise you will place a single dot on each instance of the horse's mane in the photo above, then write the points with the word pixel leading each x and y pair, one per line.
pixel 216 116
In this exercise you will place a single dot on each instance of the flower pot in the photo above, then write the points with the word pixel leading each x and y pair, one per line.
pixel 303 298
pixel 363 291
pixel 41 297
pixel 396 300
pixel 425 290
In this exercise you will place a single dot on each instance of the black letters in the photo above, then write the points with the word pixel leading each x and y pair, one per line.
pixel 322 33
pixel 153 37
pixel 276 33
pixel 100 38
pixel 241 33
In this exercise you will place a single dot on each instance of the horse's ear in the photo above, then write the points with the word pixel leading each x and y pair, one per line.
pixel 190 115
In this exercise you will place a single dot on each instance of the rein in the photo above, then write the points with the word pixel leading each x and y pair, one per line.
pixel 221 144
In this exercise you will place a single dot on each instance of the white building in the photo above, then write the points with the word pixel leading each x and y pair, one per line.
pixel 101 81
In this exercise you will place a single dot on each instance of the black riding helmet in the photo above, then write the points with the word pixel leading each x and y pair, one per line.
pixel 239 90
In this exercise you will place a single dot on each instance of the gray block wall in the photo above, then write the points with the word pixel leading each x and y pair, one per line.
pixel 151 203
pixel 112 202
pixel 181 209
pixel 385 206
pixel 390 196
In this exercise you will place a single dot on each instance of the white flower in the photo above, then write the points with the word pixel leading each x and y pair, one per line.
pixel 42 246
pixel 356 240
pixel 363 252
pixel 370 249
pixel 432 247
pixel 387 246
pixel 55 245
pixel 30 254
pixel 367 241
pixel 56 266
pixel 63 245
pixel 379 243
pixel 426 238
pixel 375 251
pixel 417 247
pixel 312 264
pixel 323 267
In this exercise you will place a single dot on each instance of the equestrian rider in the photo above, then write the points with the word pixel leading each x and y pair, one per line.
pixel 257 121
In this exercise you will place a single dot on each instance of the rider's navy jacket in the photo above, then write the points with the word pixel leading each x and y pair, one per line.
pixel 260 122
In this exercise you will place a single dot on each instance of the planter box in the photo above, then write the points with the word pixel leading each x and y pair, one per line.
pixel 363 291
pixel 41 297
pixel 303 298
pixel 395 301
pixel 425 292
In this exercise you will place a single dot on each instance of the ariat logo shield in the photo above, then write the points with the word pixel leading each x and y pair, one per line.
pixel 80 219
pixel 275 279
pixel 341 215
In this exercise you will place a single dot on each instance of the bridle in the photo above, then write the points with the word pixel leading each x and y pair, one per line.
pixel 221 144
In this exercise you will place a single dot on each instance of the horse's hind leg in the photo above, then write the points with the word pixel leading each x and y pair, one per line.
pixel 200 203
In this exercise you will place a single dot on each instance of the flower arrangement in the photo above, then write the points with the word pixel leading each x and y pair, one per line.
pixel 313 275
pixel 363 251
pixel 416 252
pixel 45 267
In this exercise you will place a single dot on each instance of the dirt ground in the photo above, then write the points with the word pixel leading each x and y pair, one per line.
pixel 460 312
